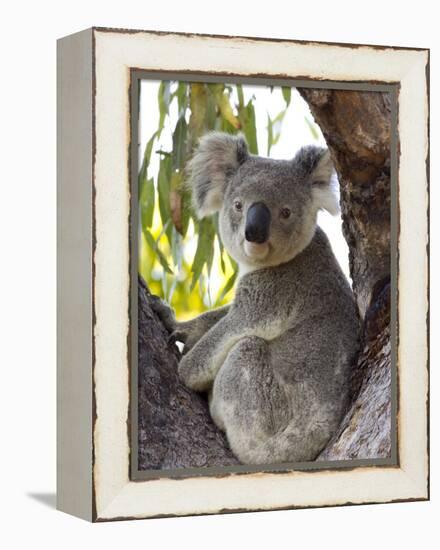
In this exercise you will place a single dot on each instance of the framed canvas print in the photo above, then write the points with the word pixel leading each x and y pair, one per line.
pixel 242 274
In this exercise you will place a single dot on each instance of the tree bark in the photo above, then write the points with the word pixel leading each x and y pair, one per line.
pixel 175 428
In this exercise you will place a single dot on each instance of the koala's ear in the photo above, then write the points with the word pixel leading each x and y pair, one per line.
pixel 317 164
pixel 217 157
pixel 323 192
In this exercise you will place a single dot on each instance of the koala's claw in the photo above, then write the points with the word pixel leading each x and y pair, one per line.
pixel 181 335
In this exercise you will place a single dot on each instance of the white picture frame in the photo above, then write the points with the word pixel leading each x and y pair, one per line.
pixel 94 76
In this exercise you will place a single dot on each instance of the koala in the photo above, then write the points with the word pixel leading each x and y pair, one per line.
pixel 277 361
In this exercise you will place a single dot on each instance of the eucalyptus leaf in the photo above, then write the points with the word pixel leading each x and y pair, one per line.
pixel 179 144
pixel 146 202
pixel 312 128
pixel 182 98
pixel 246 116
pixel 226 110
pixel 147 156
pixel 287 94
pixel 220 244
pixel 155 248
pixel 163 187
pixel 274 127
pixel 222 259
pixel 204 251
pixel 164 97
pixel 240 95
pixel 176 253
pixel 211 110
pixel 175 201
pixel 198 106
pixel 269 134
pixel 186 209
pixel 228 286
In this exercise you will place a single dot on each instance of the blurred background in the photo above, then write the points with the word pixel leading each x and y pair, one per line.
pixel 182 259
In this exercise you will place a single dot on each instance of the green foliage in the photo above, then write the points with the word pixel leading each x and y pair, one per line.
pixel 274 125
pixel 181 257
pixel 312 127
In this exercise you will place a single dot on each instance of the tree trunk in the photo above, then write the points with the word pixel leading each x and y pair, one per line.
pixel 175 428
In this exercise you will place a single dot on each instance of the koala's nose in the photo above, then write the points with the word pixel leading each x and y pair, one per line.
pixel 257 223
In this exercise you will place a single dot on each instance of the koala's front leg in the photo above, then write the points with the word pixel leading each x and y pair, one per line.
pixel 164 312
pixel 190 332
pixel 199 367
pixel 187 332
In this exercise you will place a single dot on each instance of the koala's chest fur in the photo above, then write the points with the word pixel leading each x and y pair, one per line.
pixel 270 301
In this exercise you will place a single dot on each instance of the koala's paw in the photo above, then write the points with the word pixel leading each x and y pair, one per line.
pixel 179 334
pixel 164 312
pixel 183 334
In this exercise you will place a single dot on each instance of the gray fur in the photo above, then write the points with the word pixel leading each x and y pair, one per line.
pixel 218 157
pixel 277 361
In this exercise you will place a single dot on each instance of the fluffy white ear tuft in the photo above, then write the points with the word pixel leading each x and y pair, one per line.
pixel 217 158
pixel 325 196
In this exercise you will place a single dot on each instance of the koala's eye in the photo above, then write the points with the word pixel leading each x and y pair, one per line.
pixel 238 205
pixel 285 213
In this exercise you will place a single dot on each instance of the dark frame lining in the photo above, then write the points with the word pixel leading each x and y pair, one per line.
pixel 136 75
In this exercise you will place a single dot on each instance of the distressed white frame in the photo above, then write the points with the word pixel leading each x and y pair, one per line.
pixel 114 54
